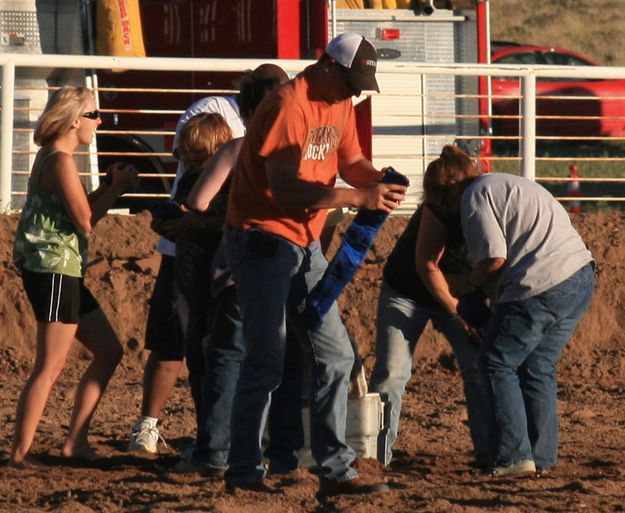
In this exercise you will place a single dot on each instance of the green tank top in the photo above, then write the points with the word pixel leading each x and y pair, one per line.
pixel 47 241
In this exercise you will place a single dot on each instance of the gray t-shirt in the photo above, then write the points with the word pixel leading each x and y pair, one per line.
pixel 507 216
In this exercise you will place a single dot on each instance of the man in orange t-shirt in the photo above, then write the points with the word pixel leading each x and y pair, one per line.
pixel 300 137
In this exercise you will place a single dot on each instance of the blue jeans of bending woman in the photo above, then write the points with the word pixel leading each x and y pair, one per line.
pixel 400 323
pixel 522 346
pixel 273 277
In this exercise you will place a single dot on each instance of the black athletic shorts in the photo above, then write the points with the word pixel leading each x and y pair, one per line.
pixel 165 331
pixel 57 297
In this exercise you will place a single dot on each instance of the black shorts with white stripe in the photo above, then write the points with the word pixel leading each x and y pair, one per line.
pixel 57 297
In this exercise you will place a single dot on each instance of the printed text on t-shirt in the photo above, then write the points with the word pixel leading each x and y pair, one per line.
pixel 321 142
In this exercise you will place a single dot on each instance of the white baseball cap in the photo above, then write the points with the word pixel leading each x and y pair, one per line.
pixel 358 55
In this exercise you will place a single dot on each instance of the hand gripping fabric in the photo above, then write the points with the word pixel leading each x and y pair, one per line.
pixel 354 247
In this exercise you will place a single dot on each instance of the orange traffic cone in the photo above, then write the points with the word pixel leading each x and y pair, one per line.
pixel 575 207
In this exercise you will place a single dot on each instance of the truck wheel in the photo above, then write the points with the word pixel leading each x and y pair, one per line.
pixel 126 143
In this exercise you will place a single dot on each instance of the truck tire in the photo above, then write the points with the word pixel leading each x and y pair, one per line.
pixel 150 164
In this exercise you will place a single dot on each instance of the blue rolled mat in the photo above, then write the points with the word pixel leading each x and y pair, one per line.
pixel 354 247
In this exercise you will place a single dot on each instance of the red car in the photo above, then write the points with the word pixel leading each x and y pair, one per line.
pixel 600 101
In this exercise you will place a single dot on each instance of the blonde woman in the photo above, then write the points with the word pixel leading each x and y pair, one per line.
pixel 50 251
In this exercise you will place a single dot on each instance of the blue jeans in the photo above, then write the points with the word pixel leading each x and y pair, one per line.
pixel 286 429
pixel 273 277
pixel 522 346
pixel 400 323
pixel 224 352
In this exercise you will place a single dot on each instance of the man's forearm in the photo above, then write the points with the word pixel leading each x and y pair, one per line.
pixel 360 173
pixel 486 271
pixel 288 189
pixel 312 195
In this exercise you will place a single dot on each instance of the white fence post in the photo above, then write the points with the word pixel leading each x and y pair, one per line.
pixel 527 128
pixel 6 134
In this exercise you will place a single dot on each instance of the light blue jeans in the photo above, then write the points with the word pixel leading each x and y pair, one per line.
pixel 273 277
pixel 400 323
pixel 522 346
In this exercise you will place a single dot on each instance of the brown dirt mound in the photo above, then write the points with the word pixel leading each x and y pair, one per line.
pixel 430 472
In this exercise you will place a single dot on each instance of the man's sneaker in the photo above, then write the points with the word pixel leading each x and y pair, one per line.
pixel 518 469
pixel 144 438
pixel 353 486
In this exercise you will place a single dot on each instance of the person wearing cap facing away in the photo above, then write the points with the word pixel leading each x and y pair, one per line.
pixel 300 137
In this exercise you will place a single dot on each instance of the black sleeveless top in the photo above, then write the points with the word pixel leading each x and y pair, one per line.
pixel 400 270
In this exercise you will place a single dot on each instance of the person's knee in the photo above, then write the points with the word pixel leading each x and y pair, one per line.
pixel 110 353
pixel 46 375
pixel 341 365
pixel 162 367
pixel 393 371
pixel 331 369
pixel 265 377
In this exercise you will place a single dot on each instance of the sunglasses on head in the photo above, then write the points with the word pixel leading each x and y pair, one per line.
pixel 94 114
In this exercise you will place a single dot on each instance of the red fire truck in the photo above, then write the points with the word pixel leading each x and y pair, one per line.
pixel 139 117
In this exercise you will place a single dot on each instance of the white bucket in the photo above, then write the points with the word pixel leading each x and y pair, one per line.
pixel 365 423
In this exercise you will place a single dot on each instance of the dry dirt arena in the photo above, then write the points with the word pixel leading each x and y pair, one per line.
pixel 430 472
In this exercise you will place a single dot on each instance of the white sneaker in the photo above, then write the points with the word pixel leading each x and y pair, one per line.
pixel 518 469
pixel 145 438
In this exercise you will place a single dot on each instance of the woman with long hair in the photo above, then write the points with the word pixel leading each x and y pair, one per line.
pixel 422 281
pixel 50 251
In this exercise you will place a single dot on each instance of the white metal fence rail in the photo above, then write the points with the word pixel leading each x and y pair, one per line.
pixel 409 73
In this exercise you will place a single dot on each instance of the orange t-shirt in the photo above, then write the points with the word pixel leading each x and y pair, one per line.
pixel 289 127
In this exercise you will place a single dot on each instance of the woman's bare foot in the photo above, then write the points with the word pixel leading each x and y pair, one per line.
pixel 27 462
pixel 83 453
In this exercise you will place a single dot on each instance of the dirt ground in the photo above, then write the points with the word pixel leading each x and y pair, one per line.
pixel 431 470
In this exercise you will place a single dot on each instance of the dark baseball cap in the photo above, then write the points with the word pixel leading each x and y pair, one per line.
pixel 358 55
